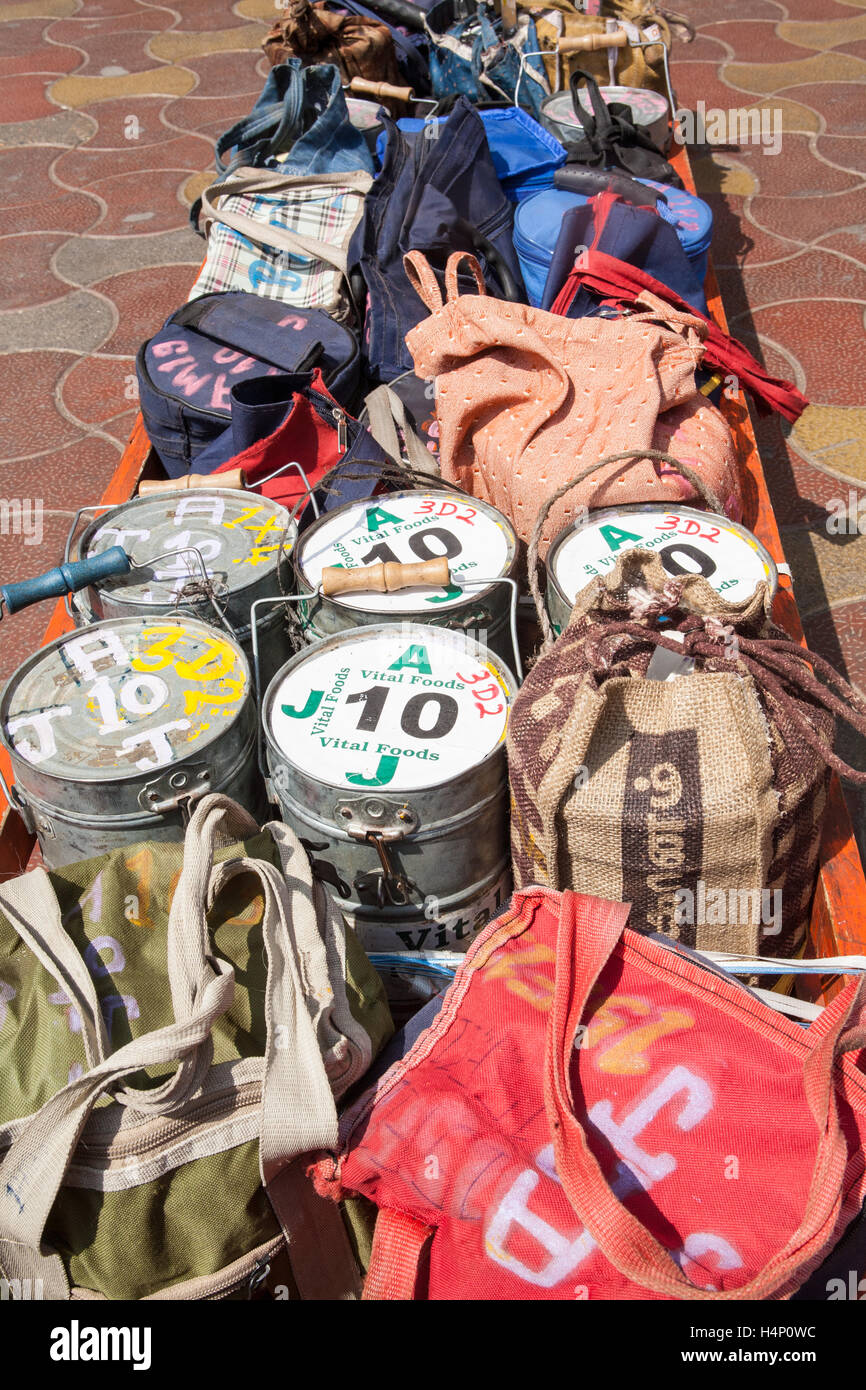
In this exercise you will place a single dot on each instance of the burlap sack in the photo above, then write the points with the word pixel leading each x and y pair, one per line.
pixel 697 799
pixel 635 66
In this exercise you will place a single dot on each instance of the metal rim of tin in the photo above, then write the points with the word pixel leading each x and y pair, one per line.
pixel 691 513
pixel 81 546
pixel 473 593
pixel 133 774
pixel 368 112
pixel 370 633
pixel 551 105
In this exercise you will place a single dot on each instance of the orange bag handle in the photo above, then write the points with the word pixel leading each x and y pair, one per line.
pixel 588 934
pixel 455 260
pixel 420 275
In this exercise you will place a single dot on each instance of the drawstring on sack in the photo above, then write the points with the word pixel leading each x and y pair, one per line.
pixel 777 665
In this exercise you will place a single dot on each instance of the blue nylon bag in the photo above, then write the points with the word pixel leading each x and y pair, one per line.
pixel 525 155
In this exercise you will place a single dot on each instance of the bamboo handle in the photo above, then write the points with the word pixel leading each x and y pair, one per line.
pixel 588 43
pixel 385 577
pixel 363 86
pixel 234 478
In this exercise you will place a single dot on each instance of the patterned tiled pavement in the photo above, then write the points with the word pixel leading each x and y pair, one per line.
pixel 109 110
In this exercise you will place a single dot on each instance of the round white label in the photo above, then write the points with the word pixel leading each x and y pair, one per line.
pixel 402 711
pixel 408 527
pixel 687 542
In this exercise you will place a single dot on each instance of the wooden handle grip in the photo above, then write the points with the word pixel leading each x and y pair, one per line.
pixel 363 86
pixel 385 577
pixel 588 43
pixel 234 478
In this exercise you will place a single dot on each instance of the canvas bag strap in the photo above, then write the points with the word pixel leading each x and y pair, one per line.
pixel 33 910
pixel 385 412
pixel 35 1165
pixel 254 182
pixel 588 934
pixel 298 1109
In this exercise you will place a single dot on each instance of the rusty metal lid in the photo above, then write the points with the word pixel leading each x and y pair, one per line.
pixel 410 526
pixel 124 697
pixel 402 706
pixel 237 534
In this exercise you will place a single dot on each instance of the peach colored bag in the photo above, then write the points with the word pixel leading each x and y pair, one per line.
pixel 525 398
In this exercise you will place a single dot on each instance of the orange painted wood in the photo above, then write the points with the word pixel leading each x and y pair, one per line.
pixel 838 924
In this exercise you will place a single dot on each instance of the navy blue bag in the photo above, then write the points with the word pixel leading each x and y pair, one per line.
pixel 640 236
pixel 187 370
pixel 525 155
pixel 435 195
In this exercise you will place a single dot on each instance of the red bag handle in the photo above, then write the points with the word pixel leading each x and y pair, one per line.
pixel 587 936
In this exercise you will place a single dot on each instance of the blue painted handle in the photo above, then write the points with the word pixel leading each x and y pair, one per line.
pixel 65 579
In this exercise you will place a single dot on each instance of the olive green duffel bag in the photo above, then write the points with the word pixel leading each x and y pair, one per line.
pixel 177 1022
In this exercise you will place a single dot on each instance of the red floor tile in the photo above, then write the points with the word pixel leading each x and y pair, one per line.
pixel 82 167
pixel 63 212
pixel 847 151
pixel 30 422
pixel 827 339
pixel 144 302
pixel 705 16
pixel 815 216
pixel 207 115
pixel 95 391
pixel 27 277
pixel 23 95
pixel 801 491
pixel 794 172
pixel 141 205
pixel 851 242
pixel 121 49
pixel 24 174
pixel 200 16
pixel 842 104
pixel 115 130
pixel 702 82
pixel 846 634
pixel 77 30
pixel 703 48
pixel 226 72
pixel 23 49
pixel 748 36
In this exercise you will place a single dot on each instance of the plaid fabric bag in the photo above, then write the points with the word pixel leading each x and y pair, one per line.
pixel 282 236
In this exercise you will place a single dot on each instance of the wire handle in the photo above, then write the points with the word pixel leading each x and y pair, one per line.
pixel 629 455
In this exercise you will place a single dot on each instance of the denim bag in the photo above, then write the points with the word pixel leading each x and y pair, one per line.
pixel 302 114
